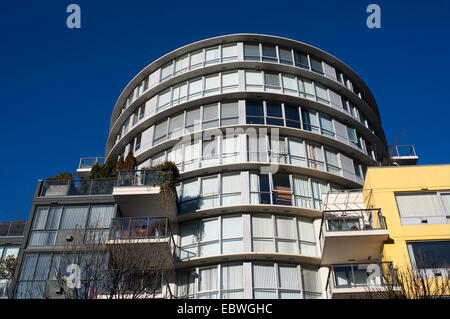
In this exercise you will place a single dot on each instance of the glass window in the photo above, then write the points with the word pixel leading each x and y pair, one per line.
pixel 322 94
pixel 269 53
pixel 296 151
pixel 179 93
pixel 232 279
pixel 41 218
pixel 332 161
pixel 229 52
pixel 189 196
pixel 286 56
pixel 195 88
pixel 135 117
pixel 196 59
pixel 209 152
pixel 230 81
pixel 272 81
pixel 253 80
pixel 316 65
pixel 212 55
pixel 74 217
pixel 302 193
pixel 232 235
pixel 207 279
pixel 209 193
pixel 176 125
pixel 318 188
pixel 255 112
pixel 326 124
pixel 285 227
pixel 281 189
pixel 101 216
pixel 28 267
pixel 230 149
pixel 306 89
pixel 166 71
pixel 229 113
pixel 274 114
pixel 193 120
pixel 191 156
pixel 418 205
pixel 231 189
pixel 352 135
pixel 310 122
pixel 430 254
pixel 160 132
pixel 210 116
pixel 251 52
pixel 289 84
pixel 315 156
pixel 212 84
pixel 259 189
pixel 311 283
pixel 8 251
pixel 301 60
pixel 307 238
pixel 288 277
pixel 164 99
pixel 181 64
pixel 292 116
pixel 141 111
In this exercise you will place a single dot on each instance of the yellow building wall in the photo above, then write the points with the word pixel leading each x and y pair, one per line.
pixel 384 182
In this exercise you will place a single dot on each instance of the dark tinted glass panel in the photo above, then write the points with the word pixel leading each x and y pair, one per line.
pixel 433 254
pixel 274 110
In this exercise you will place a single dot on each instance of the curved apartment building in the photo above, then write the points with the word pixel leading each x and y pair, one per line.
pixel 260 127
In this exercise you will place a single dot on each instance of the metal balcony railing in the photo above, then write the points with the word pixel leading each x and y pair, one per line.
pixel 352 220
pixel 370 276
pixel 12 229
pixel 89 162
pixel 402 150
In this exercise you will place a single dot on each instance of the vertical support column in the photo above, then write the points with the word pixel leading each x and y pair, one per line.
pixel 248 280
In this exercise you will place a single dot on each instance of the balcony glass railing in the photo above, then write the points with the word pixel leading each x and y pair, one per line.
pixel 11 229
pixel 88 187
pixel 140 178
pixel 140 228
pixel 402 150
pixel 370 276
pixel 89 162
pixel 81 187
pixel 352 220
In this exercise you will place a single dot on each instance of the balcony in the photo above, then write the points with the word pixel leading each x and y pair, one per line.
pixel 139 195
pixel 6 286
pixel 12 229
pixel 361 280
pixel 352 235
pixel 87 187
pixel 86 164
pixel 149 240
pixel 403 154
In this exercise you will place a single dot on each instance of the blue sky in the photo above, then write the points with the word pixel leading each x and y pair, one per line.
pixel 59 86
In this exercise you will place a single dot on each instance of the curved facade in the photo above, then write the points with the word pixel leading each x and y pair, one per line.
pixel 260 127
